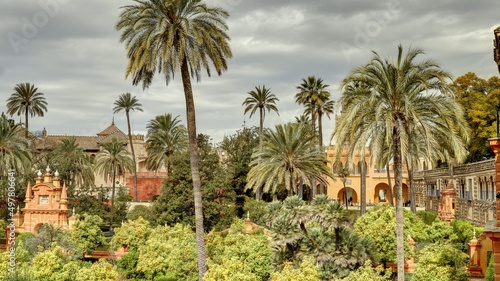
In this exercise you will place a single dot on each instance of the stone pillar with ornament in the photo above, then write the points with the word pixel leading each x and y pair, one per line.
pixel 474 259
pixel 446 210
pixel 492 228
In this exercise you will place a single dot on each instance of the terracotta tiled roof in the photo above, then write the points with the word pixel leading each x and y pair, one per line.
pixel 85 142
pixel 88 143
pixel 110 130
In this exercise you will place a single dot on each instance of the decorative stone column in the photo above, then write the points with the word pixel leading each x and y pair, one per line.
pixel 447 205
pixel 410 263
pixel 475 260
pixel 492 228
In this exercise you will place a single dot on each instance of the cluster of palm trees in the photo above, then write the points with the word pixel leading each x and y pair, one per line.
pixel 165 135
pixel 300 149
pixel 402 110
pixel 398 110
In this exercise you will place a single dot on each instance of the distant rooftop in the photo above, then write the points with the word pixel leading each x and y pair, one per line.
pixel 88 143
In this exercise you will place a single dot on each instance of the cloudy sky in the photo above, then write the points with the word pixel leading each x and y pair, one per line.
pixel 71 51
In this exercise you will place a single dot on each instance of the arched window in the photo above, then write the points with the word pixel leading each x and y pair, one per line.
pixel 350 167
pixel 492 189
pixel 482 189
pixel 357 169
pixel 462 189
pixel 337 167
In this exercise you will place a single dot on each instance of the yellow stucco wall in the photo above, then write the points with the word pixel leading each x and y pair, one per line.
pixel 375 181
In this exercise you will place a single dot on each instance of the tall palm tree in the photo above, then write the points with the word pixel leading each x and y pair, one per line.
pixel 28 101
pixel 262 99
pixel 401 99
pixel 74 165
pixel 14 149
pixel 113 160
pixel 164 136
pixel 324 106
pixel 128 103
pixel 177 36
pixel 312 91
pixel 287 155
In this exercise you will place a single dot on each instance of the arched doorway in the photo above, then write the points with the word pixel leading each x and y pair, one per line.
pixel 381 194
pixel 38 227
pixel 406 193
pixel 350 195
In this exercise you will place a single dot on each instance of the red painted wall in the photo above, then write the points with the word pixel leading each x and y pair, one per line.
pixel 148 184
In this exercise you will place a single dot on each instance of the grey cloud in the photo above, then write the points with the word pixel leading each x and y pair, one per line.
pixel 77 61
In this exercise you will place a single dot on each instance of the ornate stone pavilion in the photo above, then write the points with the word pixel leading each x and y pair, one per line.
pixel 149 183
pixel 46 202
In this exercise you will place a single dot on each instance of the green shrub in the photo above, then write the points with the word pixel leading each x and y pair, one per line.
pixel 427 217
pixel 256 209
pixel 490 271
pixel 441 262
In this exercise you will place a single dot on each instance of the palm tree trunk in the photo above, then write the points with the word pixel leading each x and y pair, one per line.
pixel 320 138
pixel 136 192
pixel 320 130
pixel 391 198
pixel 398 177
pixel 301 187
pixel 258 191
pixel 413 208
pixel 26 120
pixel 363 185
pixel 313 125
pixel 195 172
pixel 112 209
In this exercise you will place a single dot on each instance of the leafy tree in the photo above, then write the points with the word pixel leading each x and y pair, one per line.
pixel 427 217
pixel 127 103
pixel 238 149
pixel 367 272
pixel 175 203
pixel 99 271
pixel 169 250
pixel 479 99
pixel 87 234
pixel 84 203
pixel 256 210
pixel 145 212
pixel 46 263
pixel 127 265
pixel 164 137
pixel 28 101
pixel 49 237
pixel 230 269
pixel 113 160
pixel 383 102
pixel 192 35
pixel 379 226
pixel 131 234
pixel 248 253
pixel 441 262
pixel 463 232
pixel 288 154
pixel 262 99
pixel 307 271
pixel 319 231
